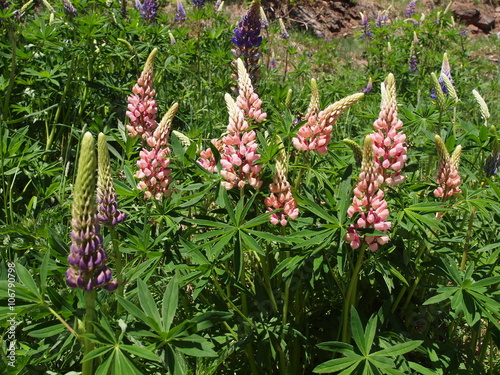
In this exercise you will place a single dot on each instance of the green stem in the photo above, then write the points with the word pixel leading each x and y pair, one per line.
pixel 467 241
pixel 351 291
pixel 118 265
pixel 12 76
pixel 87 366
pixel 230 303
pixel 52 133
pixel 64 323
pixel 404 288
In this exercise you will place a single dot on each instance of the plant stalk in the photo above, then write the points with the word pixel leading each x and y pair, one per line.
pixel 87 366
pixel 351 291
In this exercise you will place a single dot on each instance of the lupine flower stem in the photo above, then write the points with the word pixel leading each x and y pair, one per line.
pixel 118 264
pixel 64 323
pixel 350 296
pixel 467 241
pixel 87 366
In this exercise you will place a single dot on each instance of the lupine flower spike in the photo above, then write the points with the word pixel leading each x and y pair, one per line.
pixel 199 3
pixel 411 9
pixel 365 25
pixel 238 148
pixel 142 107
pixel 447 178
pixel 483 107
pixel 248 100
pixel 369 86
pixel 356 150
pixel 368 204
pixel 493 161
pixel 388 138
pixel 247 40
pixel 153 164
pixel 445 72
pixel 281 194
pixel 180 16
pixel 87 258
pixel 148 10
pixel 108 213
pixel 315 134
pixel 413 62
pixel 239 156
pixel 69 9
pixel 284 33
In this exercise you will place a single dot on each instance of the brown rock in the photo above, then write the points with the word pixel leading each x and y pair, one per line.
pixel 466 13
pixel 473 29
pixel 486 22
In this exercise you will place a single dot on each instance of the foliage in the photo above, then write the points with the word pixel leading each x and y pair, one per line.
pixel 209 284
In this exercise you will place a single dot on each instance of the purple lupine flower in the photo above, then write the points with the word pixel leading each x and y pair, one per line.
pixel 247 40
pixel 365 26
pixel 445 71
pixel 493 160
pixel 108 213
pixel 247 34
pixel 69 9
pixel 411 9
pixel 272 63
pixel 382 19
pixel 413 64
pixel 148 10
pixel 138 5
pixel 284 32
pixel 217 6
pixel 463 32
pixel 199 3
pixel 320 35
pixel 87 258
pixel 180 16
pixel 369 86
pixel 4 4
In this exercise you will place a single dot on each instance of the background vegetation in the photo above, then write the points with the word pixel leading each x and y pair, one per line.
pixel 210 285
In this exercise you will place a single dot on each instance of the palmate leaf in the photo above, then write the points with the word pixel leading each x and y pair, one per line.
pixel 337 365
pixel 379 362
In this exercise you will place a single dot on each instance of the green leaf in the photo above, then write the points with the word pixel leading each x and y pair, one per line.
pixel 48 331
pixel 97 353
pixel 358 333
pixel 423 370
pixel 251 244
pixel 170 301
pixel 27 280
pixel 134 310
pixel 371 328
pixel 44 269
pixel 399 349
pixel 148 303
pixel 335 346
pixel 123 365
pixel 104 367
pixel 336 365
pixel 141 352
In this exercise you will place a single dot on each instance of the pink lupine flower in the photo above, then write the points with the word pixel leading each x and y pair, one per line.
pixel 207 159
pixel 142 107
pixel 154 172
pixel 248 100
pixel 315 134
pixel 447 178
pixel 369 202
pixel 238 146
pixel 281 195
pixel 239 153
pixel 388 140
